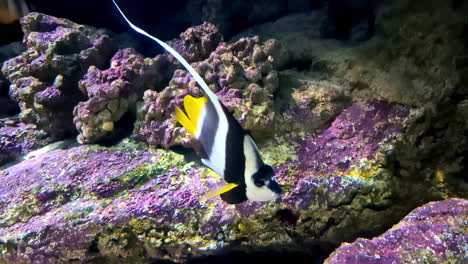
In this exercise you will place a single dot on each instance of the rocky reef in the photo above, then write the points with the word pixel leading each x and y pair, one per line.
pixel 196 43
pixel 44 78
pixel 359 131
pixel 114 91
pixel 433 233
pixel 124 202
pixel 18 139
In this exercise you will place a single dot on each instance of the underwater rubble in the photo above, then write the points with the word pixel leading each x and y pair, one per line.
pixel 359 134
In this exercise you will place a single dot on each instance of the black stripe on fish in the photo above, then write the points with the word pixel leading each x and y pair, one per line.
pixel 235 160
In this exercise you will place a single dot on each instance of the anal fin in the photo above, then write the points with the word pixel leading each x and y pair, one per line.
pixel 218 191
pixel 210 165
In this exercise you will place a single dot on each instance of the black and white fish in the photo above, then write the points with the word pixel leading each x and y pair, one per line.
pixel 227 148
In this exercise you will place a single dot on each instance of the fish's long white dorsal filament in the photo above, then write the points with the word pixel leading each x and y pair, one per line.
pixel 217 159
pixel 174 53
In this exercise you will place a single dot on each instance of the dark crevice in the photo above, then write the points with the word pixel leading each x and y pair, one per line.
pixel 189 154
pixel 94 248
pixel 463 162
pixel 300 64
pixel 8 107
pixel 10 33
pixel 315 254
pixel 122 129
pixel 350 20
pixel 287 217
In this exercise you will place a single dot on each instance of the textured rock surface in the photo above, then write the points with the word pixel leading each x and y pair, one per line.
pixel 44 78
pixel 127 203
pixel 114 91
pixel 351 163
pixel 17 139
pixel 386 66
pixel 331 153
pixel 406 62
pixel 242 74
pixel 306 105
pixel 196 43
pixel 433 233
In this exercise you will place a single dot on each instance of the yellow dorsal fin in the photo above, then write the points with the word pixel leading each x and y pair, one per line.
pixel 193 108
pixel 218 191
pixel 185 121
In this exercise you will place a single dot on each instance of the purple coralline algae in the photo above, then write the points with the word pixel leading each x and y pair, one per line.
pixel 57 176
pixel 433 233
pixel 341 167
pixel 353 139
pixel 244 76
pixel 89 202
pixel 114 91
pixel 44 78
pixel 196 43
pixel 156 123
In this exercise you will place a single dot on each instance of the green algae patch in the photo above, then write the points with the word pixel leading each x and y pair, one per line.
pixel 20 212
pixel 278 151
pixel 141 239
pixel 78 216
pixel 141 175
pixel 163 161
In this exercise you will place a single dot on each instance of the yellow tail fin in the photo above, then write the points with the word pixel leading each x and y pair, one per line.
pixel 193 107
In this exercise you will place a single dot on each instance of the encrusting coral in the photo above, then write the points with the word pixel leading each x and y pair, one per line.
pixel 196 43
pixel 44 78
pixel 114 91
